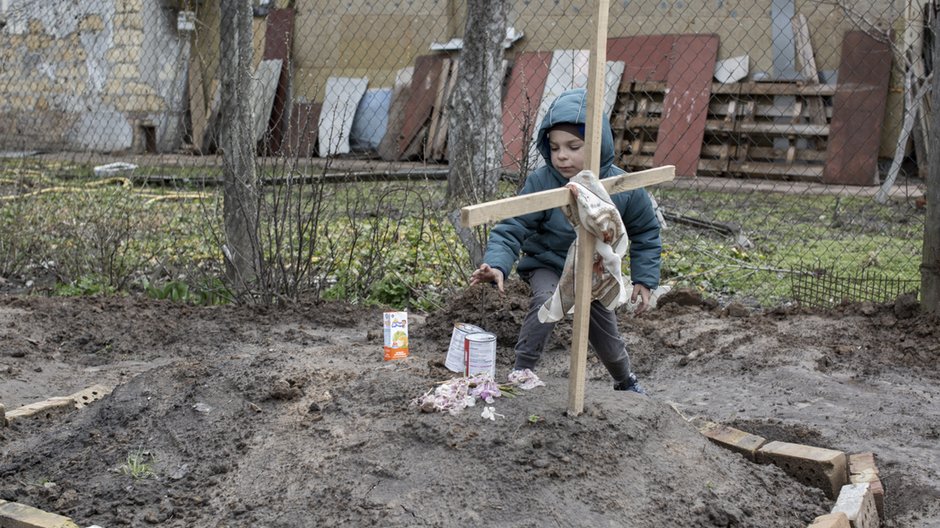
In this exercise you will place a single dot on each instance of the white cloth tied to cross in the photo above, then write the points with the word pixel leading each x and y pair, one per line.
pixel 597 213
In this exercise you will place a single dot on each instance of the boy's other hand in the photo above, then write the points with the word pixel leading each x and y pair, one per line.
pixel 485 273
pixel 640 297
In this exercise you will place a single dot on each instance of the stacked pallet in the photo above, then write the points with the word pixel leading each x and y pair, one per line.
pixel 752 129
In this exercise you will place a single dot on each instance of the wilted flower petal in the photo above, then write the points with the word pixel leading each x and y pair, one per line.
pixel 525 379
pixel 490 413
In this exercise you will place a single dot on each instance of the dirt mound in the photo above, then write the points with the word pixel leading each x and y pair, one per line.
pixel 238 416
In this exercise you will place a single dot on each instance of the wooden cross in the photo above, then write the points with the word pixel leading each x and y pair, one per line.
pixel 475 215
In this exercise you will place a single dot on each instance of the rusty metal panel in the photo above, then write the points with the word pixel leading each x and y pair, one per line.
pixel 278 35
pixel 645 58
pixel 858 111
pixel 302 133
pixel 685 106
pixel 521 105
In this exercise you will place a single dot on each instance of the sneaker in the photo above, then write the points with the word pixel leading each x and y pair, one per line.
pixel 631 384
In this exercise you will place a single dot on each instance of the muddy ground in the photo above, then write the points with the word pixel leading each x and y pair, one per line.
pixel 289 417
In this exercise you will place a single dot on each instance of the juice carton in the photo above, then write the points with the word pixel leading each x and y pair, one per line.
pixel 396 335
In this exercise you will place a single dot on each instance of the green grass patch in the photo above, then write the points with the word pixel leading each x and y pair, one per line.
pixel 389 243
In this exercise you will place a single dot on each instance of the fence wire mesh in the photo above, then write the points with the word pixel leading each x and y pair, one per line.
pixel 798 131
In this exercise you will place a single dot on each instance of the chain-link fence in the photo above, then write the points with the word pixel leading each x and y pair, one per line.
pixel 798 131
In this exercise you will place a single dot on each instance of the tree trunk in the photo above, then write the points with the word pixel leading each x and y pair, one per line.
pixel 930 265
pixel 475 131
pixel 240 201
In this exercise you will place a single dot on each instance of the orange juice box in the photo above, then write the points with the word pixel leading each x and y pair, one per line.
pixel 396 335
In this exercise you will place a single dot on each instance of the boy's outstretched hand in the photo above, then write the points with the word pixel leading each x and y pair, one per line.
pixel 485 273
pixel 640 297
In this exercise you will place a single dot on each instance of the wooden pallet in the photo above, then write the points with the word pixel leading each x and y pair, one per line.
pixel 777 130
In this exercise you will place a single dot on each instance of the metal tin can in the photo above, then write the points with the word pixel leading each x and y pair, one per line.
pixel 455 361
pixel 479 353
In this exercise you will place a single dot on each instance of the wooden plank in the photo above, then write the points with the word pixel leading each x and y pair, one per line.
pixel 679 139
pixel 804 49
pixel 521 104
pixel 858 110
pixel 807 61
pixel 428 69
pixel 748 88
pixel 783 129
pixel 584 261
pixel 388 147
pixel 764 153
pixel 777 169
pixel 436 109
pixel 474 215
pixel 198 103
pixel 440 141
pixel 787 88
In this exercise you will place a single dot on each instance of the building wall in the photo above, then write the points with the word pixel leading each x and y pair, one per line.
pixel 87 75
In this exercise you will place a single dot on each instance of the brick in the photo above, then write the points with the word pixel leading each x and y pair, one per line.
pixel 128 6
pixel 127 37
pixel 128 21
pixel 91 23
pixel 826 469
pixel 91 394
pixel 831 520
pixel 125 71
pixel 44 409
pixel 858 504
pixel 862 469
pixel 16 515
pixel 123 54
pixel 736 440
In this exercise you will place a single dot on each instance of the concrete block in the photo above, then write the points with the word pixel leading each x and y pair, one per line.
pixel 16 515
pixel 826 469
pixel 862 469
pixel 831 520
pixel 736 440
pixel 858 504
pixel 45 409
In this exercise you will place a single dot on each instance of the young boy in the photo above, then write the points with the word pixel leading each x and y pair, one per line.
pixel 544 238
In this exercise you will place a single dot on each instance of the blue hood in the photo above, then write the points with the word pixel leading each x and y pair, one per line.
pixel 571 107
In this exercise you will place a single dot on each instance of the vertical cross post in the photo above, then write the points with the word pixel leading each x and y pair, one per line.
pixel 585 257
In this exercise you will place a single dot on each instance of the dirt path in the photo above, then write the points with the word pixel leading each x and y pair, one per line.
pixel 291 418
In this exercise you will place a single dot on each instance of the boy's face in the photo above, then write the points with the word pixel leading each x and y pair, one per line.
pixel 567 152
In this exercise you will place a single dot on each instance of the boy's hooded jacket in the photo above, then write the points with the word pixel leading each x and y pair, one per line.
pixel 544 236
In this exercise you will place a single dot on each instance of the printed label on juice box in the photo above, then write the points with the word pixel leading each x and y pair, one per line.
pixel 396 335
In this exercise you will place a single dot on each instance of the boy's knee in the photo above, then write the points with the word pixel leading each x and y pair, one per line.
pixel 539 297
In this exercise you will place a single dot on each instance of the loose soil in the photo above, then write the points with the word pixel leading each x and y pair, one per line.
pixel 289 417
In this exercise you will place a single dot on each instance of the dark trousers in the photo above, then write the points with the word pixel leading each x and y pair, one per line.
pixel 603 333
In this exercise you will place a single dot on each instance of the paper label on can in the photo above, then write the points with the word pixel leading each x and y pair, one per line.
pixel 395 326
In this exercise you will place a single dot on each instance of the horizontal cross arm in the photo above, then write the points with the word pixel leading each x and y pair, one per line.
pixel 474 215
